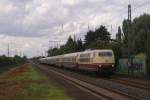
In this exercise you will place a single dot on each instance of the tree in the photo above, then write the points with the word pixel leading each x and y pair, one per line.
pixel 139 41
pixel 80 46
pixel 89 37
pixel 139 33
pixel 70 46
pixel 102 33
pixel 99 35
pixel 136 33
pixel 53 52
pixel 125 28
pixel 6 61
pixel 148 53
pixel 118 35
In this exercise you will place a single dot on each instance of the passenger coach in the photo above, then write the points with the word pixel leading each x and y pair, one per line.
pixel 101 61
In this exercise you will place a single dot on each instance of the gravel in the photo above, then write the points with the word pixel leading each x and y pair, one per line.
pixel 107 83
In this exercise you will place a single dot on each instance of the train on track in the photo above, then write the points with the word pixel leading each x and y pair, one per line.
pixel 101 61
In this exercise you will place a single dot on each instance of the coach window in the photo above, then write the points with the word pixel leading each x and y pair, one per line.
pixel 105 54
pixel 85 55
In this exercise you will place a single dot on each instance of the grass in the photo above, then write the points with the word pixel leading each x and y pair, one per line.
pixel 28 83
pixel 31 74
pixel 42 92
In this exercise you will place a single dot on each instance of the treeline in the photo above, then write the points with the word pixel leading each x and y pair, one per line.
pixel 93 40
pixel 69 47
pixel 7 61
pixel 133 36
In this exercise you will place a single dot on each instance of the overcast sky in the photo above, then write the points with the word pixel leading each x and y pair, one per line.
pixel 28 25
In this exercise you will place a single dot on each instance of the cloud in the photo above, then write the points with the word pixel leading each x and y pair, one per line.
pixel 32 23
pixel 26 46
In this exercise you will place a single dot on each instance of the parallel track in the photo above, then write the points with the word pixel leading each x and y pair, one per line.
pixel 100 92
pixel 133 83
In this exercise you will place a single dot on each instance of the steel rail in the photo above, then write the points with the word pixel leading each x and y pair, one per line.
pixel 132 83
pixel 94 90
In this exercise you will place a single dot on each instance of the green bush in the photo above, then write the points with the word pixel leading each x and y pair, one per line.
pixel 5 61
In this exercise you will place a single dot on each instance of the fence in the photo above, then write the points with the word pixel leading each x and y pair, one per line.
pixel 136 67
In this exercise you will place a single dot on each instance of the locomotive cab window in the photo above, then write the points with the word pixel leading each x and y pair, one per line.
pixel 104 54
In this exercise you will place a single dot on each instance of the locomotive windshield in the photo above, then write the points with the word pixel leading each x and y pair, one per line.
pixel 104 54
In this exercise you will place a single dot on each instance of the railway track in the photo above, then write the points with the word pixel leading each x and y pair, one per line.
pixel 133 83
pixel 100 92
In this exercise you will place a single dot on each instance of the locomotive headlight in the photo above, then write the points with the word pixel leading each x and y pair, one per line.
pixel 112 65
pixel 100 66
